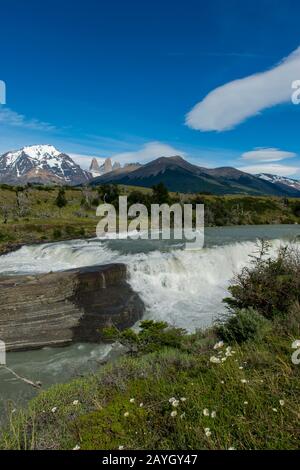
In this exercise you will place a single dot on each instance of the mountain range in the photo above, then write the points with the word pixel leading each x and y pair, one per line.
pixel 180 175
pixel 44 164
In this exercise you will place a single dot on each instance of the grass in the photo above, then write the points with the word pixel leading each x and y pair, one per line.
pixel 254 393
pixel 31 215
pixel 233 386
pixel 38 217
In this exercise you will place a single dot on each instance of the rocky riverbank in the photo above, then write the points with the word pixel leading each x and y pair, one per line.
pixel 63 307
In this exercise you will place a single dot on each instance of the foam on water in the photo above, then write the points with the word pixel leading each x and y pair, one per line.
pixel 182 287
pixel 187 288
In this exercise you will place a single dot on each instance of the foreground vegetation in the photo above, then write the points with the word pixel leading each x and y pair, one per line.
pixel 34 214
pixel 231 387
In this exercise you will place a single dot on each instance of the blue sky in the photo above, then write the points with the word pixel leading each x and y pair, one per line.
pixel 122 79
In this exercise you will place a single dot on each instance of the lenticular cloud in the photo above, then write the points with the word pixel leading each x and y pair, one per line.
pixel 229 105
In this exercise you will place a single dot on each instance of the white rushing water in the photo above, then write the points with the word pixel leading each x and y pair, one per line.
pixel 184 288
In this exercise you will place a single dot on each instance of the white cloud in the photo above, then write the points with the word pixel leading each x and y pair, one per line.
pixel 229 105
pixel 267 155
pixel 146 153
pixel 272 168
pixel 84 160
pixel 149 151
pixel 8 117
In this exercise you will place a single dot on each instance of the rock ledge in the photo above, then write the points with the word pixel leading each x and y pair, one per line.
pixel 70 306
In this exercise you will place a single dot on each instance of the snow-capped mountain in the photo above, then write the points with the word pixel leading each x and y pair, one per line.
pixel 280 180
pixel 40 164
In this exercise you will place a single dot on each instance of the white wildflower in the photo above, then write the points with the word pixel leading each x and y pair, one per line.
pixel 172 399
pixel 215 360
pixel 206 412
pixel 121 447
pixel 296 344
pixel 275 410
pixel 77 447
pixel 53 410
pixel 132 400
pixel 126 414
pixel 141 405
pixel 244 381
pixel 207 432
pixel 174 413
pixel 213 414
pixel 281 402
pixel 241 367
pixel 231 448
pixel 223 359
pixel 182 399
pixel 76 402
pixel 245 403
pixel 175 403
pixel 219 345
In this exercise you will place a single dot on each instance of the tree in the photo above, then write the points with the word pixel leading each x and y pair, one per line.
pixel 109 193
pixel 87 196
pixel 22 201
pixel 160 194
pixel 61 200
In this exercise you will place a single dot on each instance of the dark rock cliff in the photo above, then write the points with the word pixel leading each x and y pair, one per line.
pixel 63 307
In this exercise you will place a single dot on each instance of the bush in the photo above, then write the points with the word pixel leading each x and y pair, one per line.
pixel 242 325
pixel 270 285
pixel 57 234
pixel 151 337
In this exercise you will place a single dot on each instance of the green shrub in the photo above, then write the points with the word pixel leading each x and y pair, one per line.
pixel 151 337
pixel 269 285
pixel 57 234
pixel 242 325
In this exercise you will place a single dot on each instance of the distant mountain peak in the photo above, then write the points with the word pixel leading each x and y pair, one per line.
pixel 40 163
pixel 106 167
pixel 281 180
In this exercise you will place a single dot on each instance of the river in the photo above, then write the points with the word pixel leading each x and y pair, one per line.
pixel 182 287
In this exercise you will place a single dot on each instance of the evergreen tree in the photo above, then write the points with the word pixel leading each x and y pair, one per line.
pixel 61 200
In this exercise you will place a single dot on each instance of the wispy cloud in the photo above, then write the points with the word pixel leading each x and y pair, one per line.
pixel 8 117
pixel 84 160
pixel 149 151
pixel 272 168
pixel 267 155
pixel 229 105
